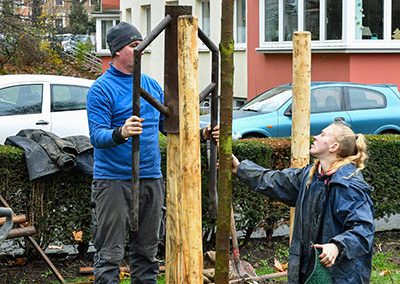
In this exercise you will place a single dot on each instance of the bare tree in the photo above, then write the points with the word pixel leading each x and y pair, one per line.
pixel 226 48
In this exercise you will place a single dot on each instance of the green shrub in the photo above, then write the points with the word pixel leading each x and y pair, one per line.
pixel 60 204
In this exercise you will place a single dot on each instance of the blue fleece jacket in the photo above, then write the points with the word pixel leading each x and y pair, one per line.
pixel 109 104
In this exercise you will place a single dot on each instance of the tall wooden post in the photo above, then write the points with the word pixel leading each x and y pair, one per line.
pixel 300 105
pixel 184 261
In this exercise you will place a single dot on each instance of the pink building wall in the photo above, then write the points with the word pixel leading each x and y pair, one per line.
pixel 269 70
pixel 110 5
pixel 105 63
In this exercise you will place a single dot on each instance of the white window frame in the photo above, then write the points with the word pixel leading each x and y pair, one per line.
pixel 128 15
pixel 200 17
pixel 172 2
pixel 348 42
pixel 99 49
pixel 239 45
pixel 145 20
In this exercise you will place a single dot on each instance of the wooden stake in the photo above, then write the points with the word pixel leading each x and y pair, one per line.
pixel 17 219
pixel 184 261
pixel 21 232
pixel 300 105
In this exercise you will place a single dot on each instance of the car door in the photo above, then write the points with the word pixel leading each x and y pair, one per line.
pixel 367 109
pixel 68 110
pixel 23 106
pixel 326 104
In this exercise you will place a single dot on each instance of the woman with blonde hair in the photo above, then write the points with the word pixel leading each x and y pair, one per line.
pixel 334 211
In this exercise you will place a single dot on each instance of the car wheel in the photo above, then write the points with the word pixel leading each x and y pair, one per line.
pixel 253 135
pixel 389 132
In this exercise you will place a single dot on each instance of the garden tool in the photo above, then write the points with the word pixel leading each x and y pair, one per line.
pixel 241 268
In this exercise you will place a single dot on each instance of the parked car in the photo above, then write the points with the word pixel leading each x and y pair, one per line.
pixel 369 109
pixel 68 41
pixel 83 38
pixel 52 103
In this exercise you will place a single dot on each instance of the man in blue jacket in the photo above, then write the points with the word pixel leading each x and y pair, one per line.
pixel 334 211
pixel 109 108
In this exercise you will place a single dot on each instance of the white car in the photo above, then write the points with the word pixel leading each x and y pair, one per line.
pixel 53 103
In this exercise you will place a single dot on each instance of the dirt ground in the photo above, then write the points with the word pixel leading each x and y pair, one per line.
pixel 259 252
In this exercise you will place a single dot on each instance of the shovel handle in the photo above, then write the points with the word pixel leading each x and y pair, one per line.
pixel 235 244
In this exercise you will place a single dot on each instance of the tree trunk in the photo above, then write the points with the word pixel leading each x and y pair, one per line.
pixel 226 48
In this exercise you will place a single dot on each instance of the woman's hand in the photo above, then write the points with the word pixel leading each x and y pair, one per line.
pixel 207 133
pixel 329 254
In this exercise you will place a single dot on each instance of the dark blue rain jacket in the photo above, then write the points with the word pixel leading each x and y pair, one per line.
pixel 336 210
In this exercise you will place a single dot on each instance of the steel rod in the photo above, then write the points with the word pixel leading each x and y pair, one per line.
pixel 156 104
pixel 136 91
pixel 206 91
pixel 153 34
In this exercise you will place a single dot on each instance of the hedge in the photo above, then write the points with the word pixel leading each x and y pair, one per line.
pixel 60 204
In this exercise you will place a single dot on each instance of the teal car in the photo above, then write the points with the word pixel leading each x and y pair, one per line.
pixel 368 108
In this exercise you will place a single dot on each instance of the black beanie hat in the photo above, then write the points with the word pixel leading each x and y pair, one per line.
pixel 121 35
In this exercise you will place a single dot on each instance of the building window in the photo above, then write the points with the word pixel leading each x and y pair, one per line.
pixel 311 18
pixel 334 24
pixel 58 23
pixel 333 19
pixel 369 15
pixel 205 17
pixel 105 26
pixel 58 2
pixel 271 11
pixel 396 19
pixel 290 18
pixel 283 17
pixel 128 16
pixel 240 10
pixel 146 19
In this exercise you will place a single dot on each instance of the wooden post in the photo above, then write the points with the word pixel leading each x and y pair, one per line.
pixel 300 105
pixel 17 219
pixel 184 260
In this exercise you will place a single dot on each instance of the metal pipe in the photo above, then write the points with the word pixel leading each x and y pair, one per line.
pixel 207 41
pixel 206 91
pixel 214 122
pixel 153 34
pixel 136 91
pixel 156 104
pixel 8 223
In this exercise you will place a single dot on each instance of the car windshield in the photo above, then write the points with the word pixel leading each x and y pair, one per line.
pixel 269 101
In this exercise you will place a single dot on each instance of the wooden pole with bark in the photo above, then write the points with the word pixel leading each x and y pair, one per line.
pixel 226 48
pixel 184 261
pixel 300 105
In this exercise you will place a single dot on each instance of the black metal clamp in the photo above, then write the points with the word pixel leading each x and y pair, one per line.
pixel 171 108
